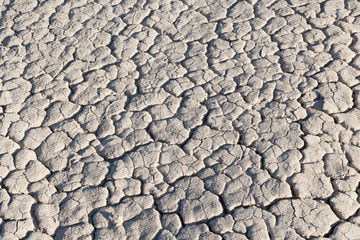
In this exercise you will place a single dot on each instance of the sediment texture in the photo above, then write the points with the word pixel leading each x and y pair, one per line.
pixel 185 119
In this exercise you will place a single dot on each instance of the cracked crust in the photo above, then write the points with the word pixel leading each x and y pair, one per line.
pixel 184 119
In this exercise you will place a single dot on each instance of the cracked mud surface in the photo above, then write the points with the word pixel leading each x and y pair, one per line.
pixel 185 119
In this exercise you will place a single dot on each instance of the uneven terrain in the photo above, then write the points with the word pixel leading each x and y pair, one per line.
pixel 184 119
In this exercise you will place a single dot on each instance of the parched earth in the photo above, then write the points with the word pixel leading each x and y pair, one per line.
pixel 184 119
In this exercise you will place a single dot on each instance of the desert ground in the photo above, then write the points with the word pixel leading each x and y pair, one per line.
pixel 179 119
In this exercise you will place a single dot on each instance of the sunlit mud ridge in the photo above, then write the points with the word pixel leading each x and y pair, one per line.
pixel 184 119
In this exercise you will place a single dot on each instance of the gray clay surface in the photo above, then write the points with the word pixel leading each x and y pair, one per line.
pixel 183 119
